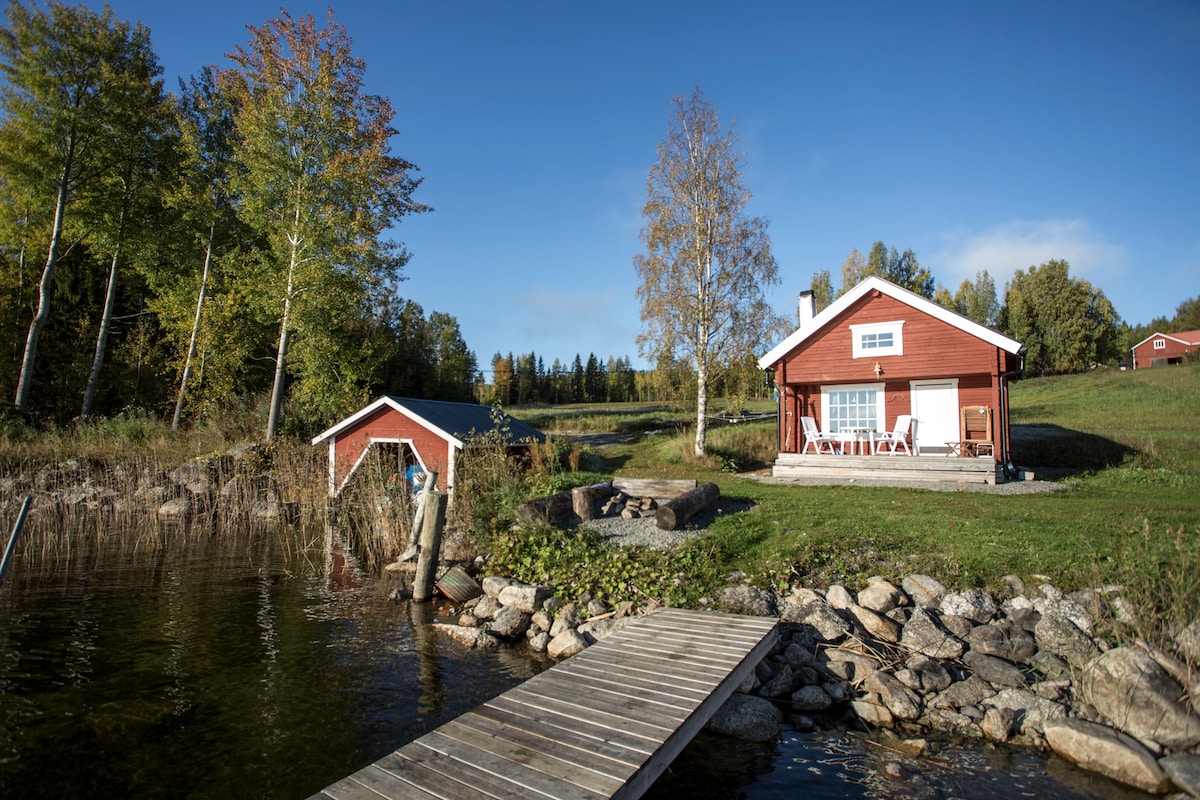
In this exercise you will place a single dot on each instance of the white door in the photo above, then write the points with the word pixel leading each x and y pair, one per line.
pixel 935 406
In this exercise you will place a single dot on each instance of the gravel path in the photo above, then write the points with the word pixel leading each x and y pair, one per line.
pixel 643 532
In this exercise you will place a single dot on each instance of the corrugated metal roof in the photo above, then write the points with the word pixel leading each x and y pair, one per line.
pixel 456 422
pixel 462 420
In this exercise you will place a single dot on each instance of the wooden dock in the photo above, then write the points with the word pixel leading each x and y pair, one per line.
pixel 602 724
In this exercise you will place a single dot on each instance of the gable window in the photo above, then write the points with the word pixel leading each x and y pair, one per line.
pixel 878 339
pixel 1160 344
pixel 852 406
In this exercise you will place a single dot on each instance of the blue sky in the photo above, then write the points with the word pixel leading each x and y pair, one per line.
pixel 982 135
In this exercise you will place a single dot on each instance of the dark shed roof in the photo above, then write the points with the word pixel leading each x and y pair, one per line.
pixel 462 420
pixel 455 422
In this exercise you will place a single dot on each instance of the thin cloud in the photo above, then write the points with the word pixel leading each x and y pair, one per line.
pixel 1020 244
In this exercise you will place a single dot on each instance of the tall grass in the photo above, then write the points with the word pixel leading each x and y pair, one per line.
pixel 97 480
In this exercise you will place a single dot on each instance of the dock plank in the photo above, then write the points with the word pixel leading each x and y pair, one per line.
pixel 603 724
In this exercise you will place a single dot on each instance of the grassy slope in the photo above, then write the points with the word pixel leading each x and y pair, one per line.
pixel 1144 424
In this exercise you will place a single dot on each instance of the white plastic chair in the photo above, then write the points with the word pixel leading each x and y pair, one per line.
pixel 814 437
pixel 890 442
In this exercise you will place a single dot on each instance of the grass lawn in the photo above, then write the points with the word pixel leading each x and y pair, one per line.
pixel 1125 447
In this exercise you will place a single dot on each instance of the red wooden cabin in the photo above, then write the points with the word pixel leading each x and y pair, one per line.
pixel 880 351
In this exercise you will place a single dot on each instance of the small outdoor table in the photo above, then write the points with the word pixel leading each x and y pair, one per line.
pixel 861 440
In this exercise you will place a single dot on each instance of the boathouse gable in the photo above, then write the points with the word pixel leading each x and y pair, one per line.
pixel 435 431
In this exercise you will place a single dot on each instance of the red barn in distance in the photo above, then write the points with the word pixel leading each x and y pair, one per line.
pixel 1160 349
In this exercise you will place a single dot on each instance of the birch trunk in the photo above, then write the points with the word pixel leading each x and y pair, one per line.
pixel 284 333
pixel 191 353
pixel 89 393
pixel 43 310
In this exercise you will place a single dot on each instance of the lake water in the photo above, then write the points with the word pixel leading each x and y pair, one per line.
pixel 183 664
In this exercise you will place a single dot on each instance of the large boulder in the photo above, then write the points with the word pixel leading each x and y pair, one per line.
pixel 881 595
pixel 970 692
pixel 1062 637
pixel 874 623
pixel 1138 696
pixel 901 701
pixel 1032 712
pixel 995 671
pixel 566 644
pixel 1002 640
pixel 974 604
pixel 818 615
pixel 924 590
pixel 510 622
pixel 1101 749
pixel 923 634
pixel 750 718
pixel 924 674
pixel 1184 771
pixel 811 698
pixel 469 637
pixel 524 596
pixel 747 600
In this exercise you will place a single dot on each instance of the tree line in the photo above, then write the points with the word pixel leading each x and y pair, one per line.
pixel 230 240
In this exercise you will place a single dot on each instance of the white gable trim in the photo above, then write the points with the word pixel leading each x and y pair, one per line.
pixel 400 408
pixel 1172 336
pixel 890 289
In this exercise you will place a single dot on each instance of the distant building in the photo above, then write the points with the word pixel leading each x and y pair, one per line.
pixel 1160 349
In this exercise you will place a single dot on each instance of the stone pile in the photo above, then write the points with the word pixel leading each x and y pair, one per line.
pixel 1028 667
pixel 509 611
pixel 622 505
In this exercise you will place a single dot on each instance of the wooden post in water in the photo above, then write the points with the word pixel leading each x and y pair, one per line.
pixel 431 542
pixel 12 540
pixel 418 518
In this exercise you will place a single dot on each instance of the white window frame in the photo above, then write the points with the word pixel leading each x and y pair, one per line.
pixel 865 339
pixel 827 419
pixel 1160 344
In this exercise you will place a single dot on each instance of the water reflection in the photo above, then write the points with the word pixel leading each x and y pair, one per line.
pixel 262 663
pixel 205 665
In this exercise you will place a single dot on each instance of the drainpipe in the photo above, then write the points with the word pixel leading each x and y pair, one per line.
pixel 1006 464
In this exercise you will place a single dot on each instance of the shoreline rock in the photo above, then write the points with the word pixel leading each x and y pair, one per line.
pixel 1029 670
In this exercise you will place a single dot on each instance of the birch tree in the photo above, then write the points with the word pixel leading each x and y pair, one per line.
pixel 138 167
pixel 707 259
pixel 203 200
pixel 316 176
pixel 69 74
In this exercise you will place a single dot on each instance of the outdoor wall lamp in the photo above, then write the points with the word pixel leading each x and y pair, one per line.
pixel 878 369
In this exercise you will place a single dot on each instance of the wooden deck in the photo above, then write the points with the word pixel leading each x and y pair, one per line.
pixel 602 724
pixel 897 468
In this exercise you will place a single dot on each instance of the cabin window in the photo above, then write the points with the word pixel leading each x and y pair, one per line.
pixel 1160 344
pixel 878 339
pixel 852 406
